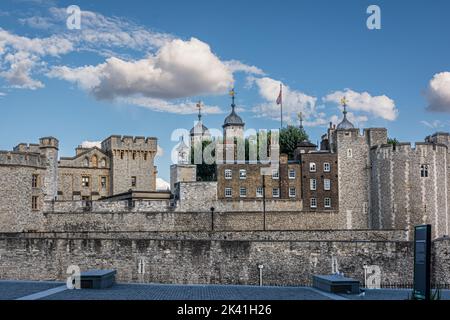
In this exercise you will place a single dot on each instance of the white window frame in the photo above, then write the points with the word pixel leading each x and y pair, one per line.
pixel 85 181
pixel 313 184
pixel 259 194
pixel 275 174
pixel 273 193
pixel 325 202
pixel 326 167
pixel 349 153
pixel 312 167
pixel 313 203
pixel 230 192
pixel 228 174
pixel 290 175
pixel 242 174
pixel 292 194
pixel 242 194
pixel 326 184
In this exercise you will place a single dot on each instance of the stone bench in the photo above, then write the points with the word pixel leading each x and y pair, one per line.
pixel 97 279
pixel 336 284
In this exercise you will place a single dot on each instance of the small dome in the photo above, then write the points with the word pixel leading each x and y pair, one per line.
pixel 345 124
pixel 199 129
pixel 233 119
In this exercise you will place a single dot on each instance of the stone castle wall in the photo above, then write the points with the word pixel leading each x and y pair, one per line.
pixel 131 157
pixel 208 261
pixel 400 197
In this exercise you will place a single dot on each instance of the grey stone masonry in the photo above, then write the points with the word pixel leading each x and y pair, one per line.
pixel 131 158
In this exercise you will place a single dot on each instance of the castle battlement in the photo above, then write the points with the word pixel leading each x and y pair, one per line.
pixel 48 142
pixel 407 147
pixel 130 143
pixel 25 147
pixel 25 159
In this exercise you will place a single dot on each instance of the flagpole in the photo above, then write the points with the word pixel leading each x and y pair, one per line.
pixel 281 104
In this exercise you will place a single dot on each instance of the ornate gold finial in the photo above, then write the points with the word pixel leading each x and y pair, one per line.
pixel 232 94
pixel 344 102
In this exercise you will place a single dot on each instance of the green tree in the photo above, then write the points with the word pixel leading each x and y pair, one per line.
pixel 289 137
pixel 393 141
pixel 205 172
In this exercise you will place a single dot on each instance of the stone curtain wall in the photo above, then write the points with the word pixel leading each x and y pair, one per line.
pixel 206 261
pixel 132 220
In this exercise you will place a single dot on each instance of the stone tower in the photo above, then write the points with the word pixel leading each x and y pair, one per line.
pixel 182 171
pixel 233 130
pixel 132 163
pixel 353 153
pixel 410 187
pixel 48 147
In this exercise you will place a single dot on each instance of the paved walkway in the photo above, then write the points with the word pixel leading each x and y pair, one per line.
pixel 33 290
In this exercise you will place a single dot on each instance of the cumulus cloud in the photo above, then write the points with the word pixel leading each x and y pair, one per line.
pixel 293 101
pixel 160 105
pixel 236 66
pixel 438 93
pixel 179 69
pixel 379 106
pixel 162 185
pixel 20 56
pixel 91 144
pixel 172 68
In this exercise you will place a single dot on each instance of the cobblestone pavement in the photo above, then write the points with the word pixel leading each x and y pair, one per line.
pixel 10 290
pixel 190 292
pixel 389 294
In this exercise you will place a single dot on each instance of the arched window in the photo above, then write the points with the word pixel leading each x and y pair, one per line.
pixel 424 171
pixel 94 161
pixel 86 162
pixel 103 163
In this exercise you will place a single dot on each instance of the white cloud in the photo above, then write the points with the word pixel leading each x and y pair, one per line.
pixel 19 73
pixel 379 106
pixel 179 69
pixel 237 66
pixel 36 22
pixel 160 151
pixel 438 93
pixel 293 102
pixel 435 124
pixel 22 55
pixel 179 107
pixel 91 144
pixel 162 185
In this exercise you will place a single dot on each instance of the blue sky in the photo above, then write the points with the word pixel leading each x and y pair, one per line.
pixel 84 85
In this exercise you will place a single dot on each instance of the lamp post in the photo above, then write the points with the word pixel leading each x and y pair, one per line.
pixel 264 202
pixel 212 218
